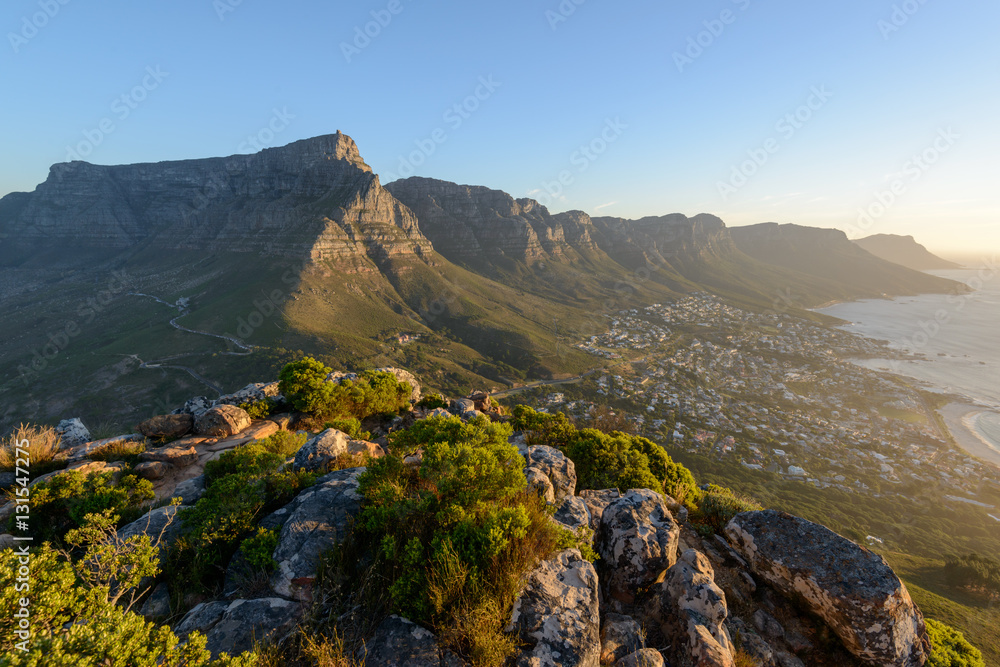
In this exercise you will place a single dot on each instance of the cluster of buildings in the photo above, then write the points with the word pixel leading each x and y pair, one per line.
pixel 775 393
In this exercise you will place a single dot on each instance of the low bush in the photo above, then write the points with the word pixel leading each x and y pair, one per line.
pixel 40 443
pixel 73 624
pixel 975 572
pixel 949 647
pixel 305 386
pixel 62 502
pixel 456 535
pixel 261 409
pixel 241 487
pixel 718 505
pixel 351 426
pixel 432 401
pixel 285 443
pixel 259 549
pixel 608 460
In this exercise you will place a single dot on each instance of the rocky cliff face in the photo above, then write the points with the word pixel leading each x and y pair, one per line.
pixel 663 237
pixel 315 197
pixel 468 222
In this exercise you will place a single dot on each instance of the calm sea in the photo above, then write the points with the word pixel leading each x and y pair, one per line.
pixel 959 336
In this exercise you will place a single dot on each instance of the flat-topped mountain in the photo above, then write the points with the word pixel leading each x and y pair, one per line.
pixel 904 250
pixel 312 198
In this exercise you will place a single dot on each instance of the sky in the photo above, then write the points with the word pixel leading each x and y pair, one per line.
pixel 871 116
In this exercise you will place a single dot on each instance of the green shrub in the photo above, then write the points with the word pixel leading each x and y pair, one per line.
pixel 351 426
pixel 432 401
pixel 718 505
pixel 284 443
pixel 261 409
pixel 949 647
pixel 608 460
pixel 304 385
pixel 62 502
pixel 580 539
pixel 241 487
pixel 259 549
pixel 74 625
pixel 457 534
pixel 974 571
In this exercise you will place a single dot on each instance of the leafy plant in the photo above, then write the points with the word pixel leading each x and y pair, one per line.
pixel 259 549
pixel 457 534
pixel 351 426
pixel 719 505
pixel 304 384
pixel 432 401
pixel 63 502
pixel 261 409
pixel 949 647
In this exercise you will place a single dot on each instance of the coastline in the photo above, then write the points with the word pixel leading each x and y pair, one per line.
pixel 960 418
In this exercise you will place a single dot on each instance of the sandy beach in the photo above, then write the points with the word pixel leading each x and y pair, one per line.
pixel 961 421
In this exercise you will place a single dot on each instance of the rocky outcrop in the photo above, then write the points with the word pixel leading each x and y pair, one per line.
pixel 167 426
pixel 573 513
pixel 620 636
pixel 321 519
pixel 234 627
pixel 72 433
pixel 222 421
pixel 322 450
pixel 557 467
pixel 646 657
pixel 398 642
pixel 692 612
pixel 852 589
pixel 161 525
pixel 251 393
pixel 468 223
pixel 637 541
pixel 557 616
pixel 540 483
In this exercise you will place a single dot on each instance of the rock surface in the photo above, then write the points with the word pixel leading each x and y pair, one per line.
pixel 399 642
pixel 323 449
pixel 557 614
pixel 540 483
pixel 234 627
pixel 573 513
pixel 692 611
pixel 646 657
pixel 637 540
pixel 620 636
pixel 222 421
pixel 321 519
pixel 72 433
pixel 167 426
pixel 162 525
pixel 557 467
pixel 849 587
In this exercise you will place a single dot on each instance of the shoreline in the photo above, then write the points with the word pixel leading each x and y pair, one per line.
pixel 960 418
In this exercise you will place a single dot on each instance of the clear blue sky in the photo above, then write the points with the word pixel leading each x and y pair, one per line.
pixel 678 132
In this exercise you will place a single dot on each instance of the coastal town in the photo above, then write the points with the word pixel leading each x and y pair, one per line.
pixel 776 393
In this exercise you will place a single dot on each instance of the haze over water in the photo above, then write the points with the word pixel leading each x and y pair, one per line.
pixel 957 334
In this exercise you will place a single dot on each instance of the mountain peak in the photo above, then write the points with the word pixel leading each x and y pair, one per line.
pixel 903 250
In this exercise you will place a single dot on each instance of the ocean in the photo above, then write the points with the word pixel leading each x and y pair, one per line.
pixel 957 334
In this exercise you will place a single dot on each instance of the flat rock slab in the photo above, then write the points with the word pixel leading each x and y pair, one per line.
pixel 322 517
pixel 179 457
pixel 234 627
pixel 852 589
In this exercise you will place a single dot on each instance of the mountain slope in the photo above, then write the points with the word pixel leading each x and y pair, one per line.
pixel 828 255
pixel 905 251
